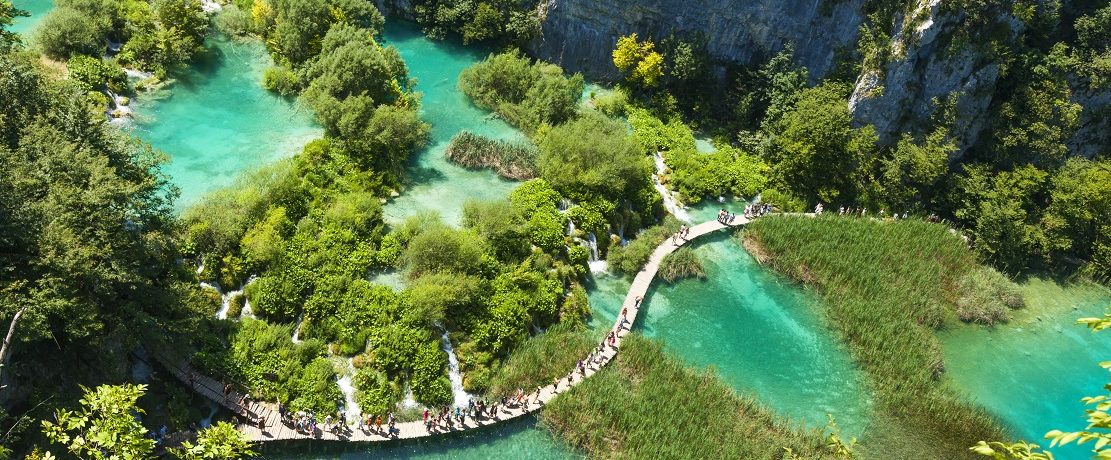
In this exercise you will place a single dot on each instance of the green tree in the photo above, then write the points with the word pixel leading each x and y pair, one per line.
pixel 105 427
pixel 911 175
pixel 592 156
pixel 66 31
pixel 8 12
pixel 219 441
pixel 816 151
pixel 1001 212
pixel 1076 218
pixel 640 61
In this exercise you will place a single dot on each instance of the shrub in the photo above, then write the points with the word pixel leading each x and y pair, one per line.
pixel 526 95
pixel 611 103
pixel 631 258
pixel 66 32
pixel 233 21
pixel 511 160
pixel 280 80
pixel 987 296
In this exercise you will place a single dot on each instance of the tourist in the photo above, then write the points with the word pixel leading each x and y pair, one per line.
pixel 378 424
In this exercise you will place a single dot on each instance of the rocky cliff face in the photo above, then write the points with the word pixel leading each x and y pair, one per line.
pixel 903 94
pixel 580 34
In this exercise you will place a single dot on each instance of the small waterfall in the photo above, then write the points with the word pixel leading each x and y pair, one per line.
pixel 297 330
pixel 461 398
pixel 225 298
pixel 350 406
pixel 596 264
pixel 564 204
pixel 669 200
pixel 212 410
pixel 570 228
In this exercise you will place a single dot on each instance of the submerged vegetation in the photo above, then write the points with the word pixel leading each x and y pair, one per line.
pixel 647 404
pixel 888 287
pixel 511 160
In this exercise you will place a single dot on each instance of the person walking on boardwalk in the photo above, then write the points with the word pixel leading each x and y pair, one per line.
pixel 378 424
pixel 427 426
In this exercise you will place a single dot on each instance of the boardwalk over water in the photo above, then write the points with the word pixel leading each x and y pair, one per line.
pixel 275 430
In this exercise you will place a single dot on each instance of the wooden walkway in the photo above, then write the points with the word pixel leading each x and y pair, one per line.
pixel 274 430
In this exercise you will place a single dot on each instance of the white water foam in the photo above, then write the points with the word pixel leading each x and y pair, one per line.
pixel 460 397
pixel 350 406
pixel 670 204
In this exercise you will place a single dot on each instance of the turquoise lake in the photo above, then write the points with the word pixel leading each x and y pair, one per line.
pixel 37 9
pixel 762 334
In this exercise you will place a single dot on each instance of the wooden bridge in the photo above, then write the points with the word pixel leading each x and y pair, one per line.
pixel 272 428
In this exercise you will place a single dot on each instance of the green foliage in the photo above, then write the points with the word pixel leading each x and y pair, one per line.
pixel 762 96
pixel 511 160
pixel 647 404
pixel 526 95
pixel 1000 211
pixel 987 296
pixel 887 286
pixel 280 80
pixel 681 264
pixel 1033 125
pixel 592 156
pixel 352 66
pixel 218 441
pixel 1076 218
pixel 233 21
pixel 105 427
pixel 502 225
pixel 817 153
pixel 542 359
pixel 165 34
pixel 441 248
pixel 95 75
pixel 694 174
pixel 66 32
pixel 374 392
pixel 911 176
pixel 611 103
pixel 640 61
pixel 488 20
pixel 629 259
pixel 8 12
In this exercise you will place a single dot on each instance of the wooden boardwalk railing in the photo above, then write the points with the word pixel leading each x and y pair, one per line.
pixel 272 428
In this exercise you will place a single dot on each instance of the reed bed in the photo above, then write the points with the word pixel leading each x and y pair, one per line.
pixel 681 264
pixel 887 286
pixel 648 404
pixel 543 358
pixel 511 160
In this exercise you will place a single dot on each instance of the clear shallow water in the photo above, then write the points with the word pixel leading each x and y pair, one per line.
pixel 760 332
pixel 435 183
pixel 216 121
pixel 514 440
pixel 1032 372
pixel 37 8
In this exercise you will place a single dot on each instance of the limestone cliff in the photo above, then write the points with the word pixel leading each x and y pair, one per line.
pixel 580 34
pixel 901 96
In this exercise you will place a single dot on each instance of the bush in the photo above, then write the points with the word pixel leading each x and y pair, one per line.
pixel 526 95
pixel 631 258
pixel 611 103
pixel 66 32
pixel 280 80
pixel 233 21
pixel 511 160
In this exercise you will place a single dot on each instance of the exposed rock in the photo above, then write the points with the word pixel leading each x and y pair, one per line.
pixel 901 96
pixel 1093 136
pixel 580 34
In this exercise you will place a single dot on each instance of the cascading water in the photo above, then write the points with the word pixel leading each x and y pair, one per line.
pixel 225 298
pixel 350 406
pixel 670 204
pixel 596 264
pixel 297 330
pixel 459 396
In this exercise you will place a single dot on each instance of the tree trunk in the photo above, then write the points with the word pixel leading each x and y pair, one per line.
pixel 6 349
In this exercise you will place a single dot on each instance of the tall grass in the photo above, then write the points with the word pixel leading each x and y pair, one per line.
pixel 681 264
pixel 512 160
pixel 888 286
pixel 647 404
pixel 543 358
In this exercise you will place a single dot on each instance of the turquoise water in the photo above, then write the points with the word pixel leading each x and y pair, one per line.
pixel 37 8
pixel 216 121
pixel 513 440
pixel 436 184
pixel 759 331
pixel 1033 371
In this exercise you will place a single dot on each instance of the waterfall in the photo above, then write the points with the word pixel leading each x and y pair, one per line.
pixel 596 265
pixel 564 204
pixel 297 330
pixel 670 204
pixel 212 410
pixel 225 298
pixel 570 228
pixel 461 398
pixel 351 408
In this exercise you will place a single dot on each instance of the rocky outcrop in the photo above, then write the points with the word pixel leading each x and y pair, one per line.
pixel 902 95
pixel 1093 135
pixel 580 35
